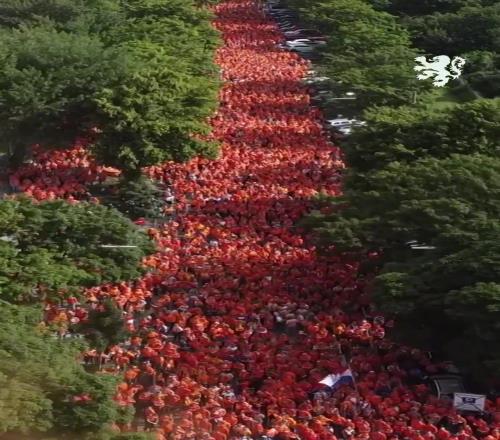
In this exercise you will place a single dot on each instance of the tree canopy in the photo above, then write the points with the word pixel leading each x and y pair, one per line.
pixel 456 33
pixel 423 7
pixel 419 207
pixel 137 198
pixel 368 51
pixel 42 384
pixel 104 326
pixel 54 246
pixel 407 134
pixel 136 76
pixel 48 80
pixel 465 28
pixel 450 207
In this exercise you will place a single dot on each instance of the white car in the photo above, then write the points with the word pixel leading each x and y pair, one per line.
pixel 345 121
pixel 339 122
pixel 344 125
pixel 305 46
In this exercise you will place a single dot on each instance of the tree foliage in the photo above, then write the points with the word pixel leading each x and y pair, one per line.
pixel 54 246
pixel 48 82
pixel 451 206
pixel 136 198
pixel 368 51
pixel 104 326
pixel 15 13
pixel 423 7
pixel 140 73
pixel 407 134
pixel 40 379
pixel 466 28
pixel 470 28
pixel 157 105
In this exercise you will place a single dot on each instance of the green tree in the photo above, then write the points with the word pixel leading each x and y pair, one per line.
pixel 40 378
pixel 407 134
pixel 155 113
pixel 368 51
pixel 470 28
pixel 15 13
pixel 486 83
pixel 87 16
pixel 140 73
pixel 425 7
pixel 451 207
pixel 135 198
pixel 53 247
pixel 49 81
pixel 104 327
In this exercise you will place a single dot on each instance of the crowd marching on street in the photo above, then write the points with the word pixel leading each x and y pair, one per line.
pixel 240 319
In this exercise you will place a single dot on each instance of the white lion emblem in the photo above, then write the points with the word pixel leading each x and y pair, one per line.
pixel 437 69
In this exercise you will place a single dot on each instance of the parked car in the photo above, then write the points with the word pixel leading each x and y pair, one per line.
pixel 344 126
pixel 303 37
pixel 277 11
pixel 284 16
pixel 339 122
pixel 276 14
pixel 270 5
pixel 285 24
pixel 323 39
pixel 345 130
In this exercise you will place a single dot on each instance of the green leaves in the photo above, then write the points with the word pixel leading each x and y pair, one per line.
pixel 468 28
pixel 406 134
pixel 368 51
pixel 104 327
pixel 433 217
pixel 49 249
pixel 136 198
pixel 147 112
pixel 47 80
pixel 55 246
pixel 39 376
pixel 142 72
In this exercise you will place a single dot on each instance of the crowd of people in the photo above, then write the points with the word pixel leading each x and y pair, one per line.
pixel 240 319
pixel 53 174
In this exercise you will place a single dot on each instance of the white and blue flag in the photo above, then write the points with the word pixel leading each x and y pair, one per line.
pixel 336 380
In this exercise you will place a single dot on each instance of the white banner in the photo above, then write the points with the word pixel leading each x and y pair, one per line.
pixel 469 402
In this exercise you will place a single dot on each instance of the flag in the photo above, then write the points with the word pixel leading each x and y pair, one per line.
pixel 336 380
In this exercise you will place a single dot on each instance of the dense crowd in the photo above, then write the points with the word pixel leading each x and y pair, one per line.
pixel 53 174
pixel 241 319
